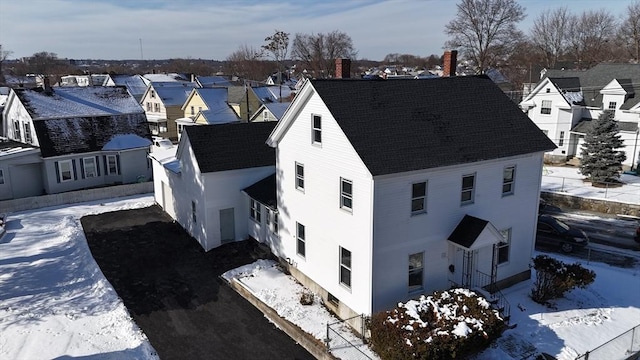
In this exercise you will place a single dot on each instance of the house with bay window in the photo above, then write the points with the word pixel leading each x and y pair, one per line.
pixel 392 188
pixel 87 136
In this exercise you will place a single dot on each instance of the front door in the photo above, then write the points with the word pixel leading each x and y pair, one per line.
pixel 227 225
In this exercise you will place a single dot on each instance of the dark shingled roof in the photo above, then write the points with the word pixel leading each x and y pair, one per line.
pixel 86 134
pixel 232 146
pixel 568 84
pixel 467 231
pixel 264 191
pixel 404 125
pixel 586 124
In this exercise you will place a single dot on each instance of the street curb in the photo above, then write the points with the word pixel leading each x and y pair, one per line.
pixel 304 339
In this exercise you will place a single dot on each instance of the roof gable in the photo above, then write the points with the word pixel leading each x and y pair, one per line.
pixel 231 146
pixel 405 125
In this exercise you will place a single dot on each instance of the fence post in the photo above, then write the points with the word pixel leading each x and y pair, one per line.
pixel 562 189
pixel 327 340
pixel 633 335
pixel 606 189
pixel 586 356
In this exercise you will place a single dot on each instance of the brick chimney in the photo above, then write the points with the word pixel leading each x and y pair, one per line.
pixel 343 68
pixel 450 63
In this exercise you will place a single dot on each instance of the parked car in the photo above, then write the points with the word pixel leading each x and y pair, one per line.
pixel 553 232
pixel 162 142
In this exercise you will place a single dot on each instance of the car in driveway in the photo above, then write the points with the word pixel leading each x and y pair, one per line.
pixel 555 233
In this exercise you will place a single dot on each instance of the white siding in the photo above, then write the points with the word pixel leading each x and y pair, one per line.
pixel 328 227
pixel 399 234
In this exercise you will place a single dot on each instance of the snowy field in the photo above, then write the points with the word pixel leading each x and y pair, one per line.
pixel 55 303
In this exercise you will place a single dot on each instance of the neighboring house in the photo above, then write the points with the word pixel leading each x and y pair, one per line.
pixel 563 104
pixel 136 84
pixel 202 186
pixel 208 106
pixel 85 80
pixel 213 81
pixel 390 189
pixel 88 136
pixel 270 112
pixel 20 170
pixel 162 103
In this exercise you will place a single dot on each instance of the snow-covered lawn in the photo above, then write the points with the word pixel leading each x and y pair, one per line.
pixel 583 320
pixel 54 300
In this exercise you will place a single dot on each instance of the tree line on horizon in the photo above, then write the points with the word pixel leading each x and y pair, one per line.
pixel 484 32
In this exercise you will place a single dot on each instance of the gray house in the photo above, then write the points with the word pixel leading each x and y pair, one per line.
pixel 87 136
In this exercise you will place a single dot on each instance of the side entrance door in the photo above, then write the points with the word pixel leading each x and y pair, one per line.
pixel 227 225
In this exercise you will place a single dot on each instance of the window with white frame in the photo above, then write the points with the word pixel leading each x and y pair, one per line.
pixel 275 225
pixel 346 194
pixel 194 218
pixel 316 134
pixel 112 165
pixel 301 240
pixel 193 110
pixel 156 107
pixel 546 107
pixel 508 179
pixel 504 246
pixel 153 93
pixel 65 170
pixel 265 115
pixel 27 133
pixel 89 167
pixel 416 270
pixel 612 105
pixel 148 106
pixel 419 197
pixel 468 189
pixel 299 176
pixel 16 130
pixel 255 211
pixel 561 139
pixel 345 267
pixel 1 177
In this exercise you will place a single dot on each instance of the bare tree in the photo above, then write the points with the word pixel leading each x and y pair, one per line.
pixel 485 30
pixel 591 36
pixel 4 54
pixel 278 46
pixel 628 34
pixel 549 34
pixel 246 62
pixel 318 52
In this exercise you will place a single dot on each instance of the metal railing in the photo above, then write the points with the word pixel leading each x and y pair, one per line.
pixel 343 343
pixel 486 282
pixel 623 346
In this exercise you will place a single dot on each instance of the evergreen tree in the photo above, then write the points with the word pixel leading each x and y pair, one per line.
pixel 601 161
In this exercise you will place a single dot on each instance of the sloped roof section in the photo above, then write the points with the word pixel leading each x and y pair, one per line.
pixel 75 135
pixel 473 233
pixel 585 125
pixel 64 102
pixel 231 146
pixel 404 125
pixel 219 110
pixel 264 191
pixel 174 95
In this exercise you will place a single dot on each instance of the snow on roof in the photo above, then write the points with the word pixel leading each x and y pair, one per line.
pixel 126 141
pixel 164 77
pixel 277 109
pixel 264 94
pixel 216 100
pixel 78 102
pixel 167 158
pixel 174 95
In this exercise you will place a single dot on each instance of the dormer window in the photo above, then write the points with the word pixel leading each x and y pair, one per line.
pixel 316 134
pixel 612 105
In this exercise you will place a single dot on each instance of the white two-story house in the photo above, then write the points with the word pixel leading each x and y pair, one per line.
pixel 564 103
pixel 387 189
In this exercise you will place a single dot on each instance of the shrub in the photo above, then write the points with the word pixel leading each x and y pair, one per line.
pixel 448 324
pixel 554 278
pixel 306 298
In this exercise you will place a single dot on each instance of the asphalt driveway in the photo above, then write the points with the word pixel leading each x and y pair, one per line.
pixel 173 291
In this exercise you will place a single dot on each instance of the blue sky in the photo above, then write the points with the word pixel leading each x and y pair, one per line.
pixel 213 29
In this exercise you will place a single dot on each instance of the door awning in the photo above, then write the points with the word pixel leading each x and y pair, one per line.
pixel 473 233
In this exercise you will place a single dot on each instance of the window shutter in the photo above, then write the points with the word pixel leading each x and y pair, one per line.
pixel 75 173
pixel 81 167
pixel 104 161
pixel 57 171
pixel 118 164
pixel 98 164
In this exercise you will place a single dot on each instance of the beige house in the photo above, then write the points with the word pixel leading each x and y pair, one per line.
pixel 162 103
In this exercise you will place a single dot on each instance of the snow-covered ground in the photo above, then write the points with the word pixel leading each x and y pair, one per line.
pixel 56 303
pixel 568 180
pixel 54 300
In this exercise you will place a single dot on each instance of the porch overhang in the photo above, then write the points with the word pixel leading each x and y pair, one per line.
pixel 473 233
